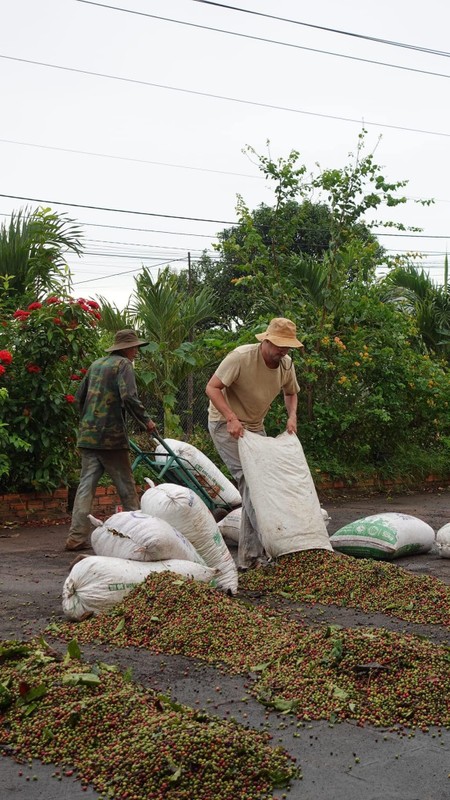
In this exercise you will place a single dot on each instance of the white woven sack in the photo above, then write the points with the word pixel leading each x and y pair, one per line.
pixel 206 472
pixel 443 541
pixel 97 583
pixel 230 526
pixel 135 535
pixel 384 536
pixel 326 517
pixel 183 509
pixel 283 494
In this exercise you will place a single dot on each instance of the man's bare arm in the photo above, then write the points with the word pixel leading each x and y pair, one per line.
pixel 290 401
pixel 214 392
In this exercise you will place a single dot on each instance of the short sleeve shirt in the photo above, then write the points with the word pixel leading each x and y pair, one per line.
pixel 251 386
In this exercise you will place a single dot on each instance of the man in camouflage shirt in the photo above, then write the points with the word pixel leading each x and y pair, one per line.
pixel 107 392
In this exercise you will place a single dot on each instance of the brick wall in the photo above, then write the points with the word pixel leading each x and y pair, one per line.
pixel 38 506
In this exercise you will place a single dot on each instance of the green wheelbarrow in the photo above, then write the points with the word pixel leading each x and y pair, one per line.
pixel 168 467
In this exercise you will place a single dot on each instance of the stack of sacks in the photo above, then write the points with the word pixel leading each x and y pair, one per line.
pixel 96 583
pixel 205 471
pixel 128 546
pixel 182 508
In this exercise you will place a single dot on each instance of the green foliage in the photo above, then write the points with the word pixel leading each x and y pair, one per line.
pixel 413 292
pixel 50 345
pixel 32 248
pixel 114 318
pixel 370 393
pixel 368 397
pixel 11 445
pixel 168 316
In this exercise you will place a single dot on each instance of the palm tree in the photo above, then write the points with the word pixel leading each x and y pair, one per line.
pixel 429 304
pixel 167 315
pixel 32 250
pixel 114 318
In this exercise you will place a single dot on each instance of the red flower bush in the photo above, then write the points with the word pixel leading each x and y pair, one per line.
pixel 5 356
pixel 43 352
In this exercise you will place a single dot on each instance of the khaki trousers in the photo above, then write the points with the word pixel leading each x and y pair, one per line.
pixel 250 546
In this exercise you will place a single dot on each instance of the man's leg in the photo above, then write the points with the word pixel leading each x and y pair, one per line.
pixel 250 548
pixel 118 466
pixel 80 527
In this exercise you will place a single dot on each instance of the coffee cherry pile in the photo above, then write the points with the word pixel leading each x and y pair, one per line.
pixel 321 576
pixel 173 616
pixel 126 741
pixel 370 675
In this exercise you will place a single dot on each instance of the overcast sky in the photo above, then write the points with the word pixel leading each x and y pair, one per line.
pixel 146 138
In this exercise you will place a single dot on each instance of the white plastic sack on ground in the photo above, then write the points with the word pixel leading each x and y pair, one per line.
pixel 135 535
pixel 183 509
pixel 443 541
pixel 97 583
pixel 283 494
pixel 326 517
pixel 208 475
pixel 384 536
pixel 230 526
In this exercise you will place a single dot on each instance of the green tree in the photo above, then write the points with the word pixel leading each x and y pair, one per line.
pixel 168 316
pixel 46 348
pixel 32 250
pixel 302 251
pixel 413 292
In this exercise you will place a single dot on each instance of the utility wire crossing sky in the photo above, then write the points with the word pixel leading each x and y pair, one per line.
pixel 121 117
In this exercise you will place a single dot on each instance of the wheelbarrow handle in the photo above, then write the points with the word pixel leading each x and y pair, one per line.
pixel 155 435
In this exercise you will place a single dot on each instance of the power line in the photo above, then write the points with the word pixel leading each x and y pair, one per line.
pixel 142 244
pixel 223 97
pixel 127 272
pixel 126 256
pixel 135 160
pixel 150 230
pixel 265 39
pixel 196 219
pixel 156 163
pixel 416 235
pixel 116 210
pixel 418 48
pixel 140 230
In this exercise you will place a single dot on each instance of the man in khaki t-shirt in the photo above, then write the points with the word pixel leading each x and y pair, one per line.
pixel 241 392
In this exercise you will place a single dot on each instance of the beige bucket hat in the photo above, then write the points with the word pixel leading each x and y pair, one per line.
pixel 125 339
pixel 281 332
